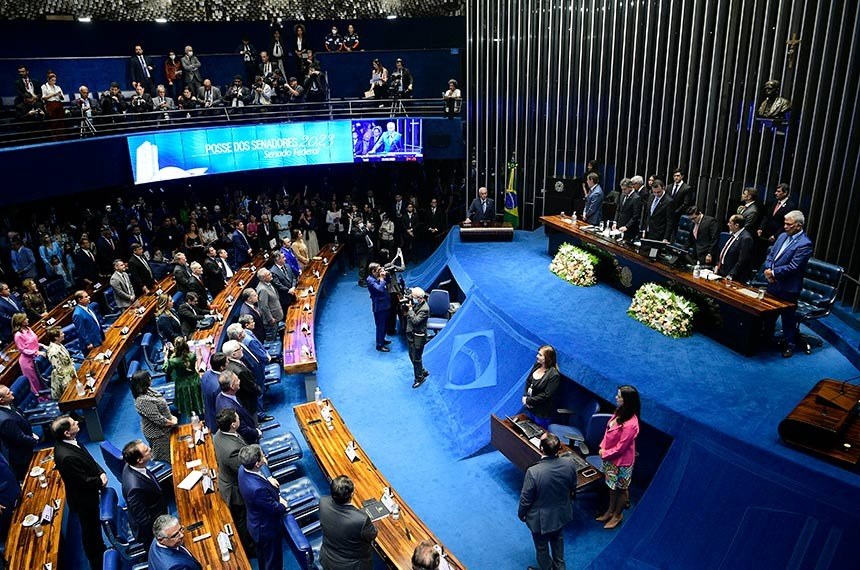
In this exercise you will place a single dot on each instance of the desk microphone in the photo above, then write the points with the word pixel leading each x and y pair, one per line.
pixel 842 386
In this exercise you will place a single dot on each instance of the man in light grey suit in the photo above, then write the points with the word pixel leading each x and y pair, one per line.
pixel 269 303
pixel 120 281
pixel 228 442
pixel 209 95
pixel 191 70
pixel 347 532
pixel 546 504
pixel 161 102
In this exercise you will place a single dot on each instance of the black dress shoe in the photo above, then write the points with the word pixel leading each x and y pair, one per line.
pixel 383 348
pixel 418 382
pixel 425 374
pixel 265 418
pixel 386 342
pixel 787 352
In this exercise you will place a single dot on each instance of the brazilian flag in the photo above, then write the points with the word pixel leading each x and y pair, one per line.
pixel 512 210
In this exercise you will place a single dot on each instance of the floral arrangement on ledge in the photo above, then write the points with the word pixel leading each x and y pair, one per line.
pixel 575 265
pixel 663 310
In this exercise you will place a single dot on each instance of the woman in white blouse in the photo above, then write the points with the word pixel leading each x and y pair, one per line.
pixel 53 96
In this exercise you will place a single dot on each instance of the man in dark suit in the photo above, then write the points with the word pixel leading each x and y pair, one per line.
pixel 190 314
pixel 166 551
pixel 658 214
pixel 106 251
pixel 8 307
pixel 629 212
pixel 545 502
pixel 284 281
pixel 17 439
pixel 264 506
pixel 196 285
pixel 141 490
pixel 10 493
pixel 593 209
pixel 140 70
pixel 682 196
pixel 774 215
pixel 140 272
pixel 735 261
pixel 249 307
pixel 229 384
pixel 416 334
pixel 87 322
pixel 84 478
pixel 348 533
pixel 182 272
pixel 482 209
pixel 249 390
pixel 213 277
pixel 137 237
pixel 241 246
pixel 784 269
pixel 267 234
pixel 704 236
pixel 228 441
pixel 86 268
pixel 435 222
pixel 210 386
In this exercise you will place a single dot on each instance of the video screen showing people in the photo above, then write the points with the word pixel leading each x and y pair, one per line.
pixel 387 140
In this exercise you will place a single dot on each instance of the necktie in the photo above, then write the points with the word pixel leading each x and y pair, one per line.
pixel 776 207
pixel 143 65
pixel 654 205
pixel 127 282
pixel 675 190
pixel 726 248
pixel 696 231
pixel 29 85
pixel 484 207
pixel 785 245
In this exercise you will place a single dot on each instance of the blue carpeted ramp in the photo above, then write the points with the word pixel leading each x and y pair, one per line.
pixel 473 363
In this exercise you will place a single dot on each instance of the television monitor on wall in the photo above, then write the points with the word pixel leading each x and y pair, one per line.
pixel 395 139
pixel 179 154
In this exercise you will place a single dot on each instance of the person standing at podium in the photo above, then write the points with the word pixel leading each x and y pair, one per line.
pixel 483 208
pixel 541 385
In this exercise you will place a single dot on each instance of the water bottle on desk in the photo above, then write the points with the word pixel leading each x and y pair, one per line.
pixel 318 397
pixel 79 388
pixel 395 511
pixel 195 421
pixel 697 271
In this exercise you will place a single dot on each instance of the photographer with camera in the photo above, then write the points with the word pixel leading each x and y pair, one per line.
pixel 400 86
pixel 416 333
pixel 377 286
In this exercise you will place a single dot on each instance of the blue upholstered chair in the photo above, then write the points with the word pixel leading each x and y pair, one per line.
pixel 440 304
pixel 115 529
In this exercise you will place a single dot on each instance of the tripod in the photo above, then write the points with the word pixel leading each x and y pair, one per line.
pixel 397 107
pixel 87 127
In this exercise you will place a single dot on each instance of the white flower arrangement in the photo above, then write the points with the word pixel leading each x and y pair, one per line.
pixel 575 265
pixel 663 310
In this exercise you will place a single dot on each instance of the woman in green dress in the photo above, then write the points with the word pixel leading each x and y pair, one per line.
pixel 181 368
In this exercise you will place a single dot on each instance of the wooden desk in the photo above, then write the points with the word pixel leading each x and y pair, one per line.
pixel 62 315
pixel 23 549
pixel 392 543
pixel 135 318
pixel 486 231
pixel 734 317
pixel 195 506
pixel 825 422
pixel 299 347
pixel 522 453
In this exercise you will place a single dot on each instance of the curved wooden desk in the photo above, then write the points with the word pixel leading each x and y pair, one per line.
pixel 135 318
pixel 23 548
pixel 397 539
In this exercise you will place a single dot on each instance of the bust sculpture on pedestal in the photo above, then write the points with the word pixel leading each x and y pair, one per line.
pixel 773 106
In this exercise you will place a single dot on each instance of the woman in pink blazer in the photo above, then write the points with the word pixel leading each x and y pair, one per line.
pixel 29 347
pixel 618 451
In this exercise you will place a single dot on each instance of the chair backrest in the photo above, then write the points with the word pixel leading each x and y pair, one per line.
pixel 686 224
pixel 133 367
pixel 298 542
pixel 113 458
pixel 70 332
pixel 595 428
pixel 820 283
pixel 21 389
pixel 112 560
pixel 723 239
pixel 114 521
pixel 109 513
pixel 439 303
pixel 682 238
pixel 110 300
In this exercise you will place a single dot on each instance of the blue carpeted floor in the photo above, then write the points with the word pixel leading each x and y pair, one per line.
pixel 721 408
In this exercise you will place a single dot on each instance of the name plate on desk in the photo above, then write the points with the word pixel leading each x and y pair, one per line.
pixel 208 485
pixel 351 451
pixel 51 321
pixel 97 286
pixel 159 291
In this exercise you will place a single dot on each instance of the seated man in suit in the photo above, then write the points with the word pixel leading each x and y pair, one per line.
pixel 17 439
pixel 87 322
pixel 348 532
pixel 120 281
pixel 629 212
pixel 8 307
pixel 735 261
pixel 483 209
pixel 593 210
pixel 227 442
pixel 658 214
pixel 704 236
pixel 784 269
pixel 264 506
pixel 230 385
pixel 141 490
pixel 166 551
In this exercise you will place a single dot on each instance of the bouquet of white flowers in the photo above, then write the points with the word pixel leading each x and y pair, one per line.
pixel 663 310
pixel 575 265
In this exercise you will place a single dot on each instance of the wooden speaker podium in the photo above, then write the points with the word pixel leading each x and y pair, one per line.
pixel 826 422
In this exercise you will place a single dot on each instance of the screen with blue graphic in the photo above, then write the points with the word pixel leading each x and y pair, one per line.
pixel 181 154
pixel 387 140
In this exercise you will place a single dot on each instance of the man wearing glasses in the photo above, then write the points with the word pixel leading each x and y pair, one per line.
pixel 166 551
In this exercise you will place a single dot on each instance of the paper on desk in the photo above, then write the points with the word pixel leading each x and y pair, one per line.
pixel 192 464
pixel 535 441
pixel 190 480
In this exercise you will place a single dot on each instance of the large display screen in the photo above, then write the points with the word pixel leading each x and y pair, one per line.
pixel 387 140
pixel 182 154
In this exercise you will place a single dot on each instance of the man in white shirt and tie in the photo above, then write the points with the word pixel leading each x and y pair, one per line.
pixel 483 208
pixel 140 70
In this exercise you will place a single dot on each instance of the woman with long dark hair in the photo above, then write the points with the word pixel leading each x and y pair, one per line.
pixel 541 385
pixel 618 451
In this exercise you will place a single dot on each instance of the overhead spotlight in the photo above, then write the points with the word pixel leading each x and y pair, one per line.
pixel 161 20
pixel 391 17
pixel 84 19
